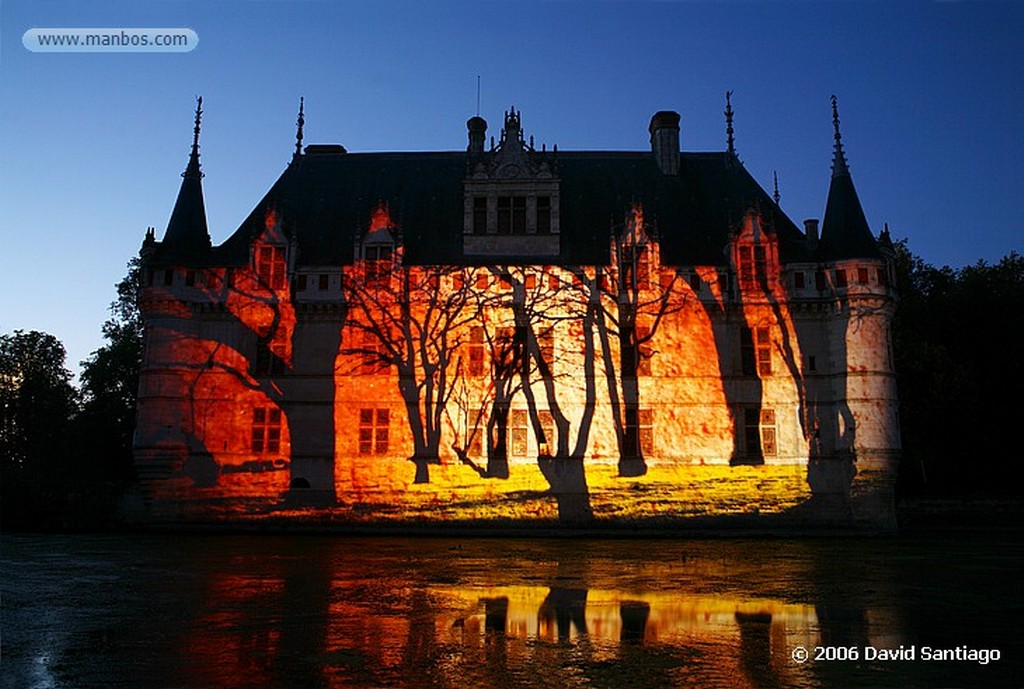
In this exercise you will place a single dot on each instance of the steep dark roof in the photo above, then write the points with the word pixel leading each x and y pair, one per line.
pixel 844 230
pixel 328 199
pixel 187 237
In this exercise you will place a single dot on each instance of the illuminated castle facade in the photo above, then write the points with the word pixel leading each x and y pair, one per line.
pixel 514 334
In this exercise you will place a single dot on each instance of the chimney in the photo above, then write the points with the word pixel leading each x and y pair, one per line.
pixel 665 141
pixel 811 230
pixel 477 133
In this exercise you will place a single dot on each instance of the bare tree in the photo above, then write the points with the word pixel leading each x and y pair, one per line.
pixel 412 318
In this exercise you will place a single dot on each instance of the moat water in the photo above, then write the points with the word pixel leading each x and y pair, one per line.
pixel 177 611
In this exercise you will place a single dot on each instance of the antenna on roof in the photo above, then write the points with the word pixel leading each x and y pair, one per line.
pixel 776 194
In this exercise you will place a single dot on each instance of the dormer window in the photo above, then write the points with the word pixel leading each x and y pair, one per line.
pixel 270 266
pixel 377 259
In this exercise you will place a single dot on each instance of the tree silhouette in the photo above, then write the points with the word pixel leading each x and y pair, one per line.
pixel 636 297
pixel 412 320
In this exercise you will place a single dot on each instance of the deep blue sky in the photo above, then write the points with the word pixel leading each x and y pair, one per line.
pixel 92 145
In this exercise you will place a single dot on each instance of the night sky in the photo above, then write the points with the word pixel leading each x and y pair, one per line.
pixel 93 145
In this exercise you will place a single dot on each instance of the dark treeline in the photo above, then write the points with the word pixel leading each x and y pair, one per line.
pixel 65 453
pixel 959 345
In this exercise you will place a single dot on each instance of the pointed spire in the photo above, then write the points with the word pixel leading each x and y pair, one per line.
pixel 187 235
pixel 298 132
pixel 839 166
pixel 192 169
pixel 844 230
pixel 730 142
pixel 775 195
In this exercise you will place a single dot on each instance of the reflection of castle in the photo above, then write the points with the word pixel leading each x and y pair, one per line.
pixel 515 319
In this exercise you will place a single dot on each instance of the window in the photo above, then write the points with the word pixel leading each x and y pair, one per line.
pixel 190 278
pixel 303 283
pixel 819 281
pixel 481 280
pixel 694 282
pixel 546 345
pixel 322 282
pixel 266 430
pixel 519 428
pixel 759 436
pixel 519 431
pixel 480 215
pixel 168 277
pixel 746 263
pixel 270 359
pixel 530 281
pixel 270 266
pixel 546 446
pixel 768 444
pixel 812 363
pixel 645 425
pixel 543 215
pixel 212 279
pixel 504 215
pixel 476 351
pixel 518 215
pixel 755 351
pixel 635 267
pixel 862 276
pixel 798 279
pixel 371 351
pixel 882 277
pixel 378 264
pixel 373 431
pixel 553 281
pixel 840 277
pixel 760 263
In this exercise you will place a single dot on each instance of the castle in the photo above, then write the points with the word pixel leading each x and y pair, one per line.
pixel 516 334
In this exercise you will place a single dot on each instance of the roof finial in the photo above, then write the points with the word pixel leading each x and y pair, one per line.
pixel 193 158
pixel 298 132
pixel 776 196
pixel 728 123
pixel 838 157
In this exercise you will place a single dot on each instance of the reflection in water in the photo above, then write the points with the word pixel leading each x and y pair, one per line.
pixel 331 612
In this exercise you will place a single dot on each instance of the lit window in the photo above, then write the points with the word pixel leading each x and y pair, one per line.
pixel 371 349
pixel 546 445
pixel 760 263
pixel 519 431
pixel 645 426
pixel 481 280
pixel 530 281
pixel 270 266
pixel 378 264
pixel 373 431
pixel 476 351
pixel 755 351
pixel 266 430
pixel 759 435
pixel 546 345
